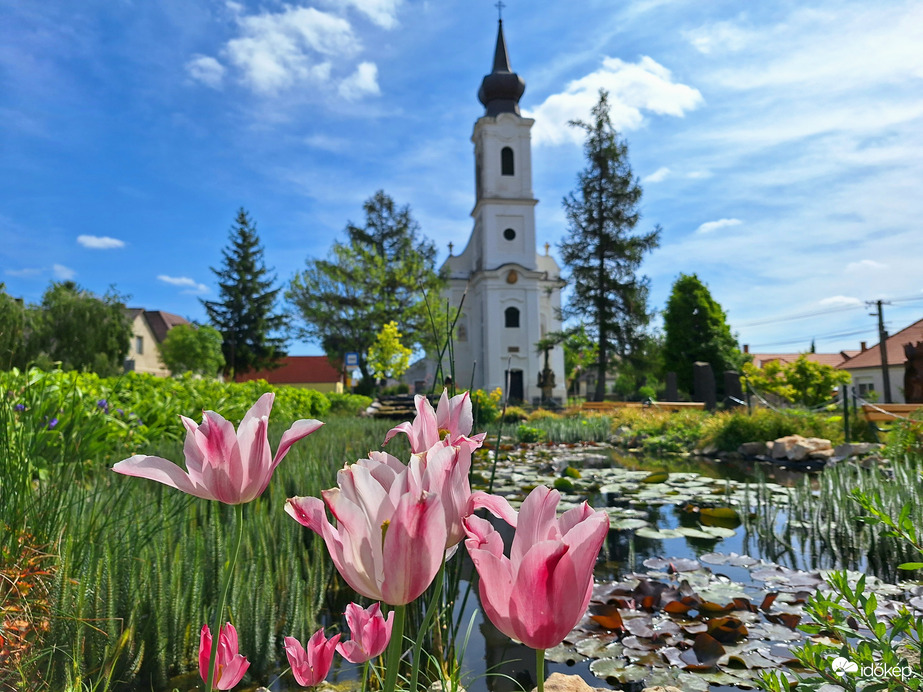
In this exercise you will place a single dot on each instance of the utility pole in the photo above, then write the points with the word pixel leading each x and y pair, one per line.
pixel 883 350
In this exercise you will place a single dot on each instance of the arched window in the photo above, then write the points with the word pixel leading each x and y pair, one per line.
pixel 511 317
pixel 506 161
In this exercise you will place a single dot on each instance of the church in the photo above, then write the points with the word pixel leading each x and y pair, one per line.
pixel 512 293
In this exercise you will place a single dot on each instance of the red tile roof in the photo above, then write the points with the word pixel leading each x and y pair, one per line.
pixel 297 370
pixel 894 347
pixel 831 359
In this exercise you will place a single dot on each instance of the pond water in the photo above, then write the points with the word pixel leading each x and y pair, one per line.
pixel 696 516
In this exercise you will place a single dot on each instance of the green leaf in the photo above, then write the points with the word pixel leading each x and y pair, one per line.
pixel 911 565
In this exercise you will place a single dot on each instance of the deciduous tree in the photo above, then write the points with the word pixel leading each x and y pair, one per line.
pixel 12 331
pixel 80 330
pixel 388 357
pixel 602 252
pixel 801 382
pixel 378 275
pixel 245 312
pixel 193 348
pixel 696 329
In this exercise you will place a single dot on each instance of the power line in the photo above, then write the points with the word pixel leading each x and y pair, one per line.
pixel 800 316
pixel 821 337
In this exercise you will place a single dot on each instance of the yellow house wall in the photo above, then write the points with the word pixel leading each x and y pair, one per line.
pixel 148 360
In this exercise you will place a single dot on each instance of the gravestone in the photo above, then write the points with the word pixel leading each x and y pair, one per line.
pixel 733 392
pixel 671 393
pixel 703 385
pixel 913 373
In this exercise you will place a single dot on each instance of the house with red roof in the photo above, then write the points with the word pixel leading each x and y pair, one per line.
pixel 310 372
pixel 866 370
pixel 148 329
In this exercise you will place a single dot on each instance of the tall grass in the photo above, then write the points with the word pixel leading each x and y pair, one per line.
pixel 819 527
pixel 134 565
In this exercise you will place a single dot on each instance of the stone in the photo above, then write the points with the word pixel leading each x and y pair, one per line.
pixel 824 454
pixel 856 449
pixel 659 688
pixel 782 446
pixel 753 449
pixel 806 446
pixel 558 682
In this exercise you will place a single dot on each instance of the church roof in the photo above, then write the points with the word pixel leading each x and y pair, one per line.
pixel 501 90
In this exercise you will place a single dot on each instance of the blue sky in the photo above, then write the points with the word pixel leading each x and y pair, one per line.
pixel 779 144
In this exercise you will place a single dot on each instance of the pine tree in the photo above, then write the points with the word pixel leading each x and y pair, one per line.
pixel 602 253
pixel 244 314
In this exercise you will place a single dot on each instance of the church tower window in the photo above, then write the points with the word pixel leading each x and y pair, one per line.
pixel 511 317
pixel 509 234
pixel 506 161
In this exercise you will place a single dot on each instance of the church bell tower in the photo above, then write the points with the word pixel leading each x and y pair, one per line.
pixel 512 291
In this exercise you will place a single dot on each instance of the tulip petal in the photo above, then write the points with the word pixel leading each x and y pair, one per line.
pixel 162 471
pixel 496 505
pixel 535 608
pixel 300 429
pixel 205 648
pixel 414 544
pixel 485 547
pixel 537 521
pixel 233 672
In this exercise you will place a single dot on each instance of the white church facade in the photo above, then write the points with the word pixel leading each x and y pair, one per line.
pixel 512 292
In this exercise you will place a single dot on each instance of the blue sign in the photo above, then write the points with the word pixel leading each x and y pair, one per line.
pixel 352 360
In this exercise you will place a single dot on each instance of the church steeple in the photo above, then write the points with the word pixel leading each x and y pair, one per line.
pixel 501 90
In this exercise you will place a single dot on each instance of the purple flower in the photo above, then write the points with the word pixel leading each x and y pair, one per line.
pixel 103 404
pixel 120 412
pixel 20 407
pixel 53 422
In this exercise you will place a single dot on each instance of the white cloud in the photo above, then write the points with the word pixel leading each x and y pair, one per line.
pixel 362 82
pixel 840 301
pixel 381 12
pixel 100 242
pixel 657 176
pixel 633 88
pixel 711 226
pixel 718 37
pixel 28 271
pixel 63 273
pixel 207 70
pixel 865 265
pixel 698 175
pixel 278 50
pixel 183 282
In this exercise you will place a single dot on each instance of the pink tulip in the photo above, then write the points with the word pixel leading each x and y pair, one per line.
pixel 452 418
pixel 444 470
pixel 539 593
pixel 224 466
pixel 310 665
pixel 231 665
pixel 369 633
pixel 390 536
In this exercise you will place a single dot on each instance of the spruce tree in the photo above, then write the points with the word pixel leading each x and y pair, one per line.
pixel 602 253
pixel 245 312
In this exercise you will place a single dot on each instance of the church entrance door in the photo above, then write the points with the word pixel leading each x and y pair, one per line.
pixel 516 392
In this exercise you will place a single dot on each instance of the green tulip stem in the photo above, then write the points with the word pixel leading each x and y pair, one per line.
pixel 540 669
pixel 395 648
pixel 427 621
pixel 228 571
pixel 365 677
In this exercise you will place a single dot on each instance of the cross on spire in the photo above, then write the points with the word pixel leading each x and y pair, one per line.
pixel 500 5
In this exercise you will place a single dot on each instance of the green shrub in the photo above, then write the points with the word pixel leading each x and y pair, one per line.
pixel 528 434
pixel 728 430
pixel 542 414
pixel 515 414
pixel 485 407
pixel 345 404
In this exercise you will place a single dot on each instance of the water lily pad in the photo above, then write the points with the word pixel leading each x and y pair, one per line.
pixel 656 534
pixel 627 524
pixel 691 532
pixel 564 653
pixel 656 477
pixel 618 668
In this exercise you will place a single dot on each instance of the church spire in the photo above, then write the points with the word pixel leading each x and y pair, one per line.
pixel 501 90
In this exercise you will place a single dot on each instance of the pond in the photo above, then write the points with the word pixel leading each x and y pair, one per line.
pixel 682 532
